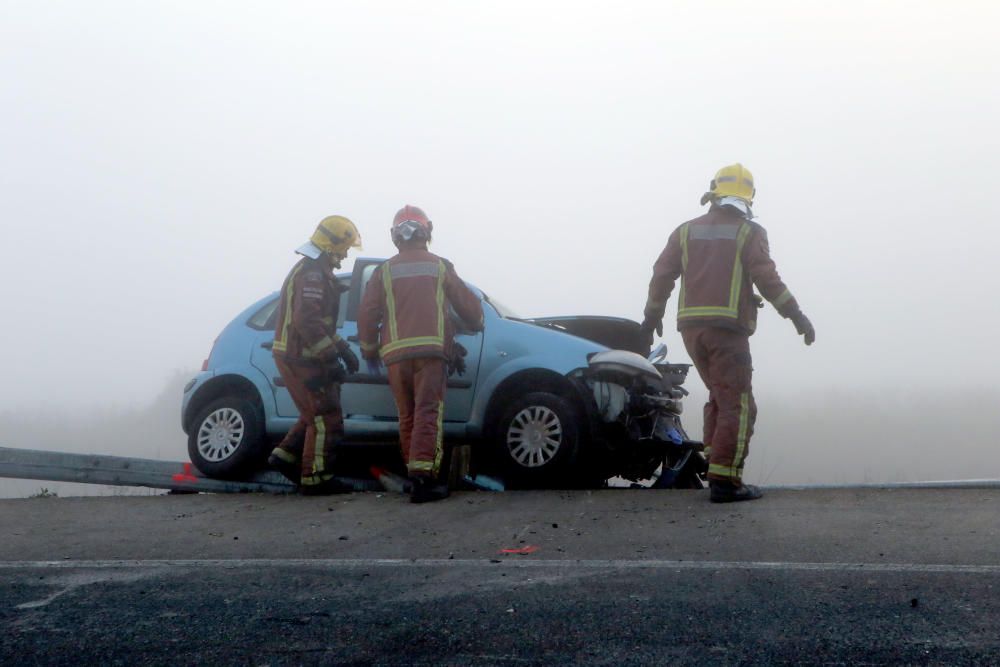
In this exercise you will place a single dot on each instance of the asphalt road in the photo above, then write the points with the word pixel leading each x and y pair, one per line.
pixel 609 577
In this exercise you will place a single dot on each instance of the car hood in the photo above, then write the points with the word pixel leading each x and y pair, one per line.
pixel 616 333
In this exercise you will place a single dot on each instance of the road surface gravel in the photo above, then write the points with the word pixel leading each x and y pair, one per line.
pixel 613 577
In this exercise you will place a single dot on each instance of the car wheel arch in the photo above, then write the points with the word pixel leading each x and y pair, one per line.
pixel 524 382
pixel 223 385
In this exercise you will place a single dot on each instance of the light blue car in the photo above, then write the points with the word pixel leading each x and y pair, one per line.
pixel 545 401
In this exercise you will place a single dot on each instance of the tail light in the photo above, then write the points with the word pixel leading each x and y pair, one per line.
pixel 204 364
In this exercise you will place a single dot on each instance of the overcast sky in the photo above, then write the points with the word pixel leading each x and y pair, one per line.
pixel 161 161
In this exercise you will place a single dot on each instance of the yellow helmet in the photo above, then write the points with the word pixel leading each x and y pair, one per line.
pixel 335 235
pixel 732 181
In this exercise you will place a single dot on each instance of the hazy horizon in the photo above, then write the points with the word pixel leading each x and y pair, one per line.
pixel 162 161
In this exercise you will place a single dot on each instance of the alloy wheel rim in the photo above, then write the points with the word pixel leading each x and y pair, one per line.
pixel 220 434
pixel 534 436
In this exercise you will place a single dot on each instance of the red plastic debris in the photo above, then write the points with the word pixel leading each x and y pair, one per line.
pixel 521 551
pixel 185 476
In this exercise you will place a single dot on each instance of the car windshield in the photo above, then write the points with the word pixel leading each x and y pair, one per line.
pixel 501 309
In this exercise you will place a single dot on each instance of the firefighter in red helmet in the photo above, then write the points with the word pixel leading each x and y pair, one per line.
pixel 404 322
pixel 719 258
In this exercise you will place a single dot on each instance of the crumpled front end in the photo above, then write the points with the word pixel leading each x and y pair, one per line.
pixel 635 408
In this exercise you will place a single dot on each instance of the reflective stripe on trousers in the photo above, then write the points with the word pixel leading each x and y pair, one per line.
pixel 723 360
pixel 320 428
pixel 418 385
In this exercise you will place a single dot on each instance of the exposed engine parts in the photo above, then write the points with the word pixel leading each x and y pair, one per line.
pixel 638 403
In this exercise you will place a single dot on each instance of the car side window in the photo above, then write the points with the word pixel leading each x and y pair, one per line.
pixel 264 318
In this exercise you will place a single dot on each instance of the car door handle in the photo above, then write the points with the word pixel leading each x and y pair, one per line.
pixel 267 345
pixel 279 381
pixel 353 339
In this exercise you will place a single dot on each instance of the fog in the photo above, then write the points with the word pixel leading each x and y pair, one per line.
pixel 161 161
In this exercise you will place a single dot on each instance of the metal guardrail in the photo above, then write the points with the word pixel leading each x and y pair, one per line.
pixel 183 476
pixel 124 471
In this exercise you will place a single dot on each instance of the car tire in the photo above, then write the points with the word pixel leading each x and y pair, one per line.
pixel 538 440
pixel 227 439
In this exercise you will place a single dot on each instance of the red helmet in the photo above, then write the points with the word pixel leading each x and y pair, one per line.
pixel 411 223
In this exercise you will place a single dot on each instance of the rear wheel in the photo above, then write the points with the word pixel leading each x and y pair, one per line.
pixel 227 438
pixel 538 439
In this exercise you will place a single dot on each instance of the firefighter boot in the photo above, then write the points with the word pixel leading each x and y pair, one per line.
pixel 728 492
pixel 426 489
pixel 327 487
pixel 290 470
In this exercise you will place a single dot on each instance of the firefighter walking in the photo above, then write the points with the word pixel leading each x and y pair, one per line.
pixel 308 353
pixel 719 258
pixel 404 322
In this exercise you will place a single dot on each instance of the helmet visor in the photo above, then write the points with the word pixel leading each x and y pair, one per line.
pixel 310 250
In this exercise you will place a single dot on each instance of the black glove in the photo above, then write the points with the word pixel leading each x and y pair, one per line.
pixel 333 372
pixel 347 355
pixel 647 328
pixel 758 300
pixel 804 327
pixel 456 362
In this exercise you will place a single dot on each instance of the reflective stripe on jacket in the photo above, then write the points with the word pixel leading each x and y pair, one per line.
pixel 306 323
pixel 719 257
pixel 404 310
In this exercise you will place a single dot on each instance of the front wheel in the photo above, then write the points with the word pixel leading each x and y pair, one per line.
pixel 227 438
pixel 538 439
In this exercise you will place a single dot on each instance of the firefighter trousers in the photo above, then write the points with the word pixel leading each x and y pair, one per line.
pixel 418 385
pixel 723 360
pixel 313 440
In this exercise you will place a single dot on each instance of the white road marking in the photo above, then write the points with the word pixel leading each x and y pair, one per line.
pixel 72 581
pixel 35 604
pixel 510 562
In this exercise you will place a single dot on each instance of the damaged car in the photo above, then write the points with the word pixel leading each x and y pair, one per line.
pixel 560 401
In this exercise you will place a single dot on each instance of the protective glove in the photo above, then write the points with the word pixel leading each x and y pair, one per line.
pixel 804 327
pixel 758 300
pixel 456 364
pixel 347 355
pixel 332 373
pixel 647 328
pixel 374 365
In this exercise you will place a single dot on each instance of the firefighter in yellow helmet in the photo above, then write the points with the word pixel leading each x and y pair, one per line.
pixel 312 359
pixel 719 258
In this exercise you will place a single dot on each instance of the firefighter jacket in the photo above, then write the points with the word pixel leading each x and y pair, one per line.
pixel 306 325
pixel 405 308
pixel 718 257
